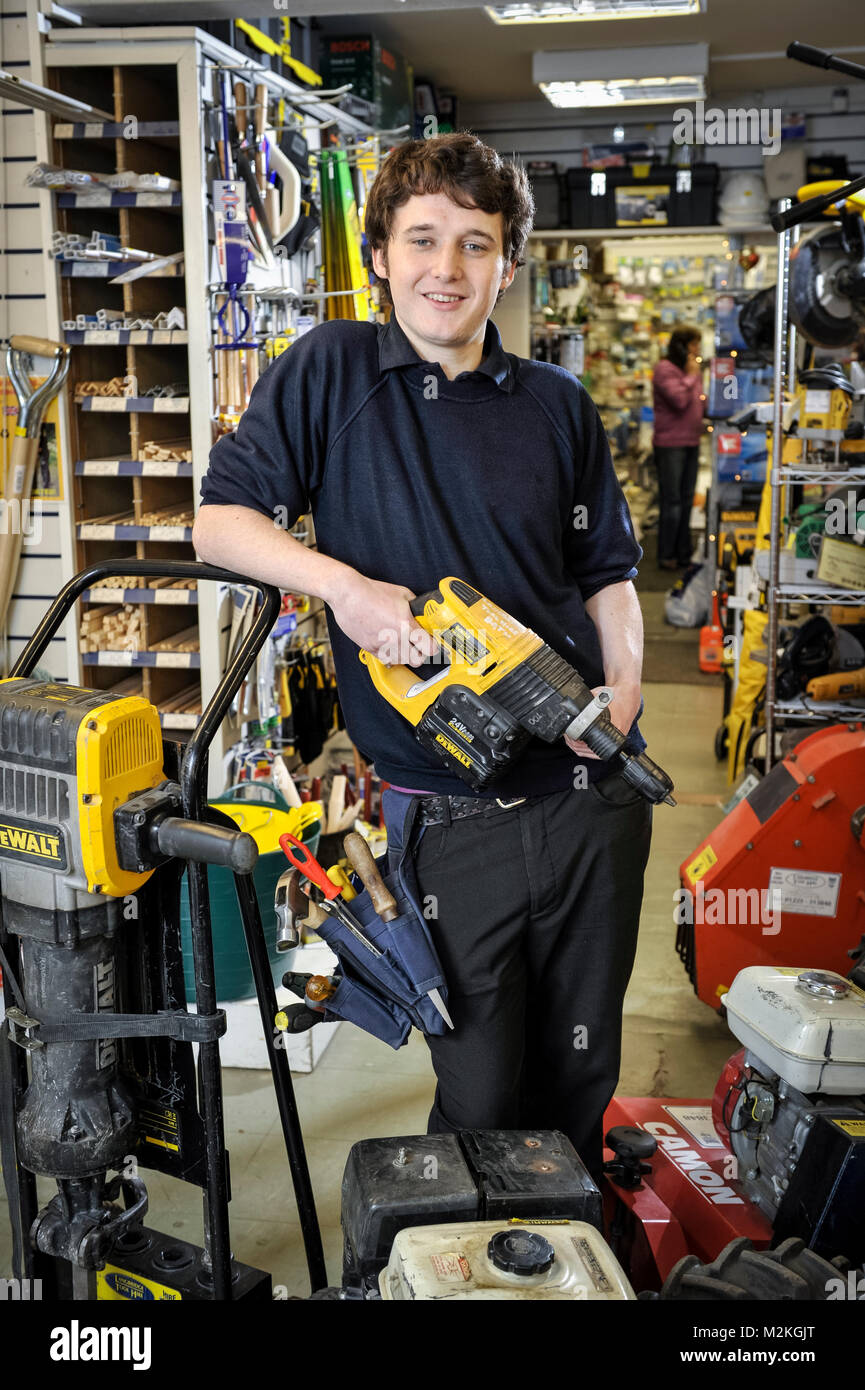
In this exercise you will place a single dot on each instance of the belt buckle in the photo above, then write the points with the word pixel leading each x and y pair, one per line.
pixel 509 805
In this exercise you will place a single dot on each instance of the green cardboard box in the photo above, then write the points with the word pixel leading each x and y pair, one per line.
pixel 379 76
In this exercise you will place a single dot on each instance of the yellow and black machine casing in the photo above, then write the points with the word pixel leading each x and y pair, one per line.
pixel 68 758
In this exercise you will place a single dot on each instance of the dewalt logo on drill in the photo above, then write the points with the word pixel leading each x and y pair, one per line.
pixel 453 750
pixel 33 842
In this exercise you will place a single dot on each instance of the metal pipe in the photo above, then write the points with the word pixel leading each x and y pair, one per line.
pixel 281 1072
pixel 782 290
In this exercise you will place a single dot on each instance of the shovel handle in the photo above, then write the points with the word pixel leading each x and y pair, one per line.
pixel 38 347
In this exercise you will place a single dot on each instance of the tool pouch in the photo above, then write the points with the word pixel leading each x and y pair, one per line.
pixel 384 1018
pixel 387 995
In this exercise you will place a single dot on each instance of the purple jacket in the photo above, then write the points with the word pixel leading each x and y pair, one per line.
pixel 678 408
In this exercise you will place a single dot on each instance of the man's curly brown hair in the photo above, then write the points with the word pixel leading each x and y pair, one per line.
pixel 469 172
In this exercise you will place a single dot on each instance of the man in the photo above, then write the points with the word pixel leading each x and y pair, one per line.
pixel 424 450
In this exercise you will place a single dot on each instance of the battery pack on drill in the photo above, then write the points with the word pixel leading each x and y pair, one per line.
pixel 501 686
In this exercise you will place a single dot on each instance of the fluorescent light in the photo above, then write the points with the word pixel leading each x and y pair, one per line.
pixel 562 12
pixel 623 77
pixel 638 91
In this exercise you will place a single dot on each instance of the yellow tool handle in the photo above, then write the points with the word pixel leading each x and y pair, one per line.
pixel 360 857
pixel 338 875
pixel 320 988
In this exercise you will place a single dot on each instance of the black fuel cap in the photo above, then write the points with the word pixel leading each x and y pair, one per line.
pixel 521 1252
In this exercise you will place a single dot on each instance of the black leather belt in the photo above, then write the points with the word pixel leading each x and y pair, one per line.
pixel 441 810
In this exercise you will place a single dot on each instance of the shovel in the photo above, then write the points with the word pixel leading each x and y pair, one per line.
pixel 32 403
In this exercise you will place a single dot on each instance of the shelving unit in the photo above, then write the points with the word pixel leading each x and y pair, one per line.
pixel 674 274
pixel 117 493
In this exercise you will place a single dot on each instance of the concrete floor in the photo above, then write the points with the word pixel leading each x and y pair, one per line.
pixel 673 1044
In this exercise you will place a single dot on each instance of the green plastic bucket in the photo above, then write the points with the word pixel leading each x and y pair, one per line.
pixel 231 960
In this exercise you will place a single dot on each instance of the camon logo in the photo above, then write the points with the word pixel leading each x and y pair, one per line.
pixel 696 1169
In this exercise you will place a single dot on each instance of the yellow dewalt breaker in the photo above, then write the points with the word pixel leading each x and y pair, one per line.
pixel 501 685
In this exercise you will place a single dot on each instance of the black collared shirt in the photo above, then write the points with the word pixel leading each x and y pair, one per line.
pixel 501 477
pixel 395 350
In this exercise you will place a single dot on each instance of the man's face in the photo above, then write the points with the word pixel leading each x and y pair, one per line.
pixel 445 265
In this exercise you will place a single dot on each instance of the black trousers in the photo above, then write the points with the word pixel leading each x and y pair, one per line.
pixel 534 913
pixel 677 479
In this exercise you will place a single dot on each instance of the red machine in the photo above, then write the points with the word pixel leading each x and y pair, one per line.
pixel 687 1202
pixel 783 876
pixel 778 1153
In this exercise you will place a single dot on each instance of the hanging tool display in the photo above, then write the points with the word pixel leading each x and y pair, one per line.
pixel 294 146
pixel 18 484
pixel 234 346
pixel 502 684
pixel 827 269
pixel 309 701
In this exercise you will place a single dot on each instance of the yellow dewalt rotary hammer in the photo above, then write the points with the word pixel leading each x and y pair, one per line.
pixel 501 685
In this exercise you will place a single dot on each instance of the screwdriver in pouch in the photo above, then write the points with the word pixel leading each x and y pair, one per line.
pixel 297 854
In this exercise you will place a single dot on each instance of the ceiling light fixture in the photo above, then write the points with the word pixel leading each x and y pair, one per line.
pixel 623 77
pixel 567 11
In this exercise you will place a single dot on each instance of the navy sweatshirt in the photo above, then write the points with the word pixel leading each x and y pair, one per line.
pixel 410 477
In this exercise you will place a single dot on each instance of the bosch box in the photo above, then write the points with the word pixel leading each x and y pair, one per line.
pixel 378 75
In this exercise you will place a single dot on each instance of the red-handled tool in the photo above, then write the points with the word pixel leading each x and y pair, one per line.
pixel 298 854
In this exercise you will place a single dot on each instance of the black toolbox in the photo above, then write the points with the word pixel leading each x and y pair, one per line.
pixel 642 195
pixel 549 193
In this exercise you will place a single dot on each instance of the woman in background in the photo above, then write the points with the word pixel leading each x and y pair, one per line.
pixel 677 386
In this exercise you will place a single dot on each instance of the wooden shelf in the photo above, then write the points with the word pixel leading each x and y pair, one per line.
pixel 136 405
pixel 118 198
pixel 114 130
pixel 172 597
pixel 126 337
pixel 178 660
pixel 131 468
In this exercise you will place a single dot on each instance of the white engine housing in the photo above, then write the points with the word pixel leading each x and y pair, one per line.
pixel 808 1026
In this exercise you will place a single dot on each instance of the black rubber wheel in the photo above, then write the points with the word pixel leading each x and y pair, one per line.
pixel 721 742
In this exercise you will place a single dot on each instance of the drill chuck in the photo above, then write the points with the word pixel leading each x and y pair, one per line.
pixel 639 770
pixel 647 778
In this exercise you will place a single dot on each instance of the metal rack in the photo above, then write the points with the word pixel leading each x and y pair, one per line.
pixel 780 592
